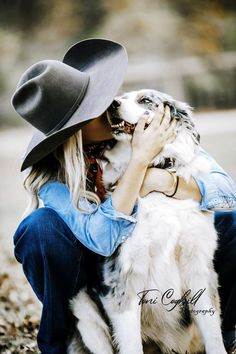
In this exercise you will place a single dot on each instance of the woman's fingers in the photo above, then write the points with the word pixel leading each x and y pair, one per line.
pixel 159 115
pixel 160 127
pixel 171 138
pixel 166 118
pixel 161 119
pixel 141 124
pixel 170 133
pixel 171 127
pixel 156 121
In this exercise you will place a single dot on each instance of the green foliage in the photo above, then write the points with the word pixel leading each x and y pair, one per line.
pixel 28 15
pixel 189 7
pixel 92 13
pixel 228 38
pixel 210 24
pixel 22 15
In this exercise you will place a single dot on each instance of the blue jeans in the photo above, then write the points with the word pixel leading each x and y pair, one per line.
pixel 56 265
pixel 225 266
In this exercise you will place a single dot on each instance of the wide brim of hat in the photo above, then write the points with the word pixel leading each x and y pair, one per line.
pixel 106 62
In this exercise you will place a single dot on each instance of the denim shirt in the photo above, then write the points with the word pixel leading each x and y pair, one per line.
pixel 105 229
pixel 217 188
pixel 101 231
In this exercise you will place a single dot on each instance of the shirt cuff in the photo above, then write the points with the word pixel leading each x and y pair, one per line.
pixel 108 210
pixel 127 222
pixel 211 198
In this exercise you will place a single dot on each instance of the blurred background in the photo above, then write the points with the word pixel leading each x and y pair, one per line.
pixel 183 47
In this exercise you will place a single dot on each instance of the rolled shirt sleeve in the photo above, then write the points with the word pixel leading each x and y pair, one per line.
pixel 217 188
pixel 102 231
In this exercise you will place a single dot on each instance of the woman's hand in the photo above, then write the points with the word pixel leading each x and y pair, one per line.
pixel 147 143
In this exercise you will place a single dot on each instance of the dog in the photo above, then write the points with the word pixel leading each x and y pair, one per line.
pixel 160 284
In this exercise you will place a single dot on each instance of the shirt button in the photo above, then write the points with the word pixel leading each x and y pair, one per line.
pixel 123 238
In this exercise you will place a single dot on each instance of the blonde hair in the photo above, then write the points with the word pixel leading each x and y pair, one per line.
pixel 67 164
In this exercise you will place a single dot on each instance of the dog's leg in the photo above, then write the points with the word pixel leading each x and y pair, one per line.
pixel 76 345
pixel 208 323
pixel 199 277
pixel 93 330
pixel 127 328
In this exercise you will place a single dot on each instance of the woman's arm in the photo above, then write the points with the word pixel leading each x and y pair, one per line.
pixel 157 179
pixel 146 144
pixel 113 221
pixel 214 190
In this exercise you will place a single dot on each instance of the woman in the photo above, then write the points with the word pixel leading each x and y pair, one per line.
pixel 65 102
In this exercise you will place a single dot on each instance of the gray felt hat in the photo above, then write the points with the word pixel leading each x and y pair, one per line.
pixel 59 98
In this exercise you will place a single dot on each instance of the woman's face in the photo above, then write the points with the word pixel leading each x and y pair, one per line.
pixel 97 130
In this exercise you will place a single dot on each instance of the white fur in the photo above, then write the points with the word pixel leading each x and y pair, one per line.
pixel 91 326
pixel 172 247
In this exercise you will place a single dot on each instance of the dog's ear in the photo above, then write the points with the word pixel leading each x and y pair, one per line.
pixel 182 112
pixel 179 110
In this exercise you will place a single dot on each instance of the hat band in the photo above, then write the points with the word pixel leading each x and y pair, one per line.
pixel 72 109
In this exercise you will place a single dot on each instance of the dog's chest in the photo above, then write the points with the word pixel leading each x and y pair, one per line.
pixel 158 216
pixel 158 237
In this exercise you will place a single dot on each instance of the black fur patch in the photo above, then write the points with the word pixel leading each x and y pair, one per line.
pixel 181 115
pixel 185 319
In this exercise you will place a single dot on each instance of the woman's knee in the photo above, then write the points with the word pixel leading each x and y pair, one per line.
pixel 49 252
pixel 42 231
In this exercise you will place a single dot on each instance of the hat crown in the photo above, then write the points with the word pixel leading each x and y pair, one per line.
pixel 41 98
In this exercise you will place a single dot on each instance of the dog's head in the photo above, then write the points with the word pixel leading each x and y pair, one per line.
pixel 125 111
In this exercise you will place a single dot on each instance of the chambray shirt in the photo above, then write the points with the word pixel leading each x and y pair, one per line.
pixel 105 229
pixel 101 231
pixel 217 188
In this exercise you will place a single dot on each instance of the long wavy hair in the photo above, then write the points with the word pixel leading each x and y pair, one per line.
pixel 67 164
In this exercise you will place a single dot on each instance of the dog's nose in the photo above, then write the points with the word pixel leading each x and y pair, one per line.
pixel 115 104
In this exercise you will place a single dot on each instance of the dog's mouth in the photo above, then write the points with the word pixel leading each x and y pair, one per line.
pixel 123 127
pixel 119 125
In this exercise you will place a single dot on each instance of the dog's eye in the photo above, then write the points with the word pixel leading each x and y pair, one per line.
pixel 145 100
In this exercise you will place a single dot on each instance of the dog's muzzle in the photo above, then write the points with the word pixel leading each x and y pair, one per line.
pixel 118 125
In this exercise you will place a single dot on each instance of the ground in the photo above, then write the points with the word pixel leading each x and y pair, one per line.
pixel 19 308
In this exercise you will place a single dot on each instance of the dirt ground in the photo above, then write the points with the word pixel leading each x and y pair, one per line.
pixel 19 308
